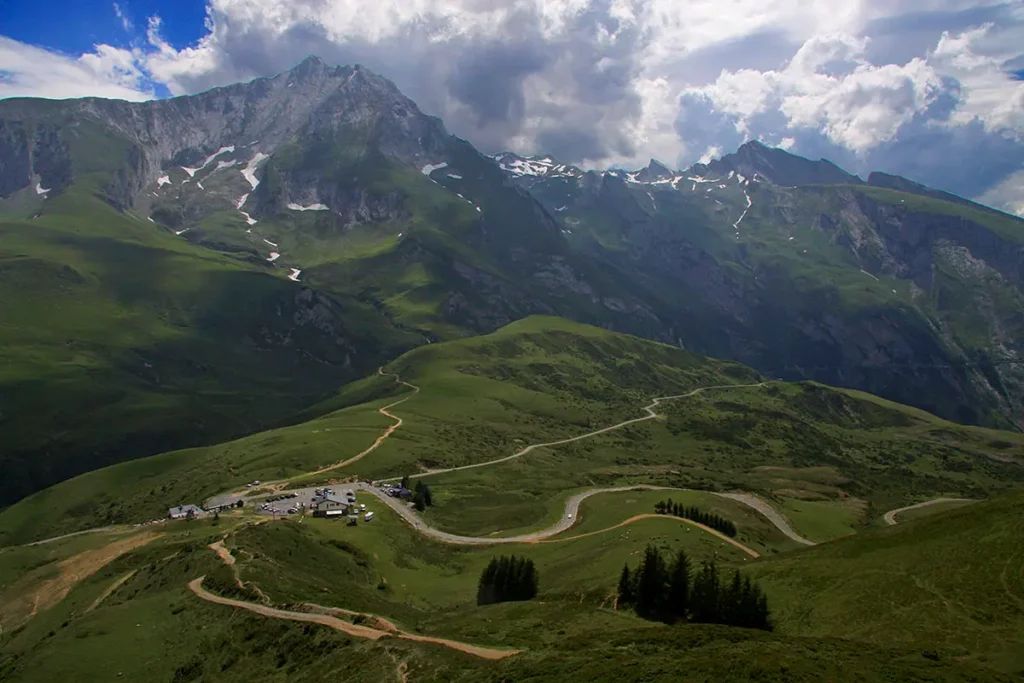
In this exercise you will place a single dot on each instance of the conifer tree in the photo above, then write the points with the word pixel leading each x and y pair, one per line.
pixel 704 599
pixel 626 596
pixel 679 586
pixel 651 581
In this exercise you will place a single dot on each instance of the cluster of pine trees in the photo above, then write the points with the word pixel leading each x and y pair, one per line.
pixel 422 498
pixel 674 591
pixel 506 579
pixel 695 514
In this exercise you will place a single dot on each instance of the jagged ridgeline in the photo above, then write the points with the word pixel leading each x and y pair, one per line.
pixel 178 272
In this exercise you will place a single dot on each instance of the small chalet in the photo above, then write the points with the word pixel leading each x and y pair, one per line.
pixel 329 505
pixel 184 512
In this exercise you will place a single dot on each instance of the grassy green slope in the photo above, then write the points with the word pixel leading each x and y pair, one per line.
pixel 119 340
pixel 951 582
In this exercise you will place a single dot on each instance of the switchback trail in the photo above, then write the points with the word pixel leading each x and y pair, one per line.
pixel 890 516
pixel 196 586
pixel 649 409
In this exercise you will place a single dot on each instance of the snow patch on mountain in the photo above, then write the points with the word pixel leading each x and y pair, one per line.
pixel 430 168
pixel 223 150
pixel 249 172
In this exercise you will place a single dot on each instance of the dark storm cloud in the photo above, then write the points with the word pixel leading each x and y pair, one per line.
pixel 489 79
pixel 762 51
pixel 701 126
pixel 576 88
pixel 897 40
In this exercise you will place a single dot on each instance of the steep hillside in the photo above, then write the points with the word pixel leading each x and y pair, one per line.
pixel 119 341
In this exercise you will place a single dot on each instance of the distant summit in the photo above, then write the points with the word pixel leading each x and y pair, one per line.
pixel 778 166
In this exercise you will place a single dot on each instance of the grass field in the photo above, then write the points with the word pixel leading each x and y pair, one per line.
pixel 929 510
pixel 951 582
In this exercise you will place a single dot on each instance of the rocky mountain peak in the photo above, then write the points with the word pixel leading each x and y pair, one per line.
pixel 755 159
pixel 655 170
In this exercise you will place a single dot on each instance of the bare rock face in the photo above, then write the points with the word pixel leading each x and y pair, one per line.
pixel 262 116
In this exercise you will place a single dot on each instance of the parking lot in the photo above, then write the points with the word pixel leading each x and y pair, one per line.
pixel 299 500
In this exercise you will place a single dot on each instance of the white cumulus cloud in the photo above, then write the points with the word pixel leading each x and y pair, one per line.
pixel 616 82
pixel 34 72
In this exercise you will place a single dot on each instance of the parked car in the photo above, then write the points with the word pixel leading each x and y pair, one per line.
pixel 368 517
pixel 362 506
pixel 292 511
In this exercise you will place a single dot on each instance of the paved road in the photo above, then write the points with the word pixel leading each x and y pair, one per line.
pixel 769 513
pixel 567 520
pixel 890 516
pixel 649 409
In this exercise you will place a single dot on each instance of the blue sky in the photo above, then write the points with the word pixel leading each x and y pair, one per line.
pixel 932 89
pixel 85 23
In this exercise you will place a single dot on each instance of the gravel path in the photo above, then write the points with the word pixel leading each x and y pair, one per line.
pixel 890 516
pixel 649 409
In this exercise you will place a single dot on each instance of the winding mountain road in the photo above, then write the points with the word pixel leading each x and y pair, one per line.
pixel 569 517
pixel 890 516
pixel 572 505
pixel 380 439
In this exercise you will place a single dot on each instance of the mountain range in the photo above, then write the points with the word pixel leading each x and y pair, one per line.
pixel 178 272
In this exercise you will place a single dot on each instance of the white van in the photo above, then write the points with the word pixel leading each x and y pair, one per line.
pixel 368 517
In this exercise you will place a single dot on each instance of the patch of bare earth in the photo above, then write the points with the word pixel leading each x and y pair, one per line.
pixel 71 572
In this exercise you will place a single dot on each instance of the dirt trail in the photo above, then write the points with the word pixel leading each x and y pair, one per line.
pixel 196 586
pixel 637 518
pixel 72 535
pixel 890 516
pixel 110 589
pixel 385 411
pixel 222 552
pixel 378 622
pixel 649 409
pixel 73 570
